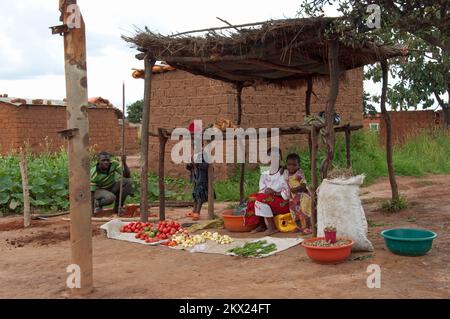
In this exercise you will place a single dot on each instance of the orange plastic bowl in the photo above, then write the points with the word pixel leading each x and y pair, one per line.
pixel 327 255
pixel 235 223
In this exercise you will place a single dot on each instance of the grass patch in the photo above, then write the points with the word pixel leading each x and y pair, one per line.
pixel 372 223
pixel 394 206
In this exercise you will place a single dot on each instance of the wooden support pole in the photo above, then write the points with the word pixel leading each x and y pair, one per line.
pixel 162 188
pixel 314 180
pixel 122 149
pixel 78 148
pixel 388 123
pixel 242 183
pixel 211 191
pixel 25 188
pixel 308 109
pixel 330 136
pixel 149 63
pixel 347 147
pixel 239 88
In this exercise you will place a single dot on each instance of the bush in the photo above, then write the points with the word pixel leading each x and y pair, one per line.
pixel 393 206
pixel 48 182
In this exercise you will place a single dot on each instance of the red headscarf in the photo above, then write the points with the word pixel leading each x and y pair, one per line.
pixel 192 128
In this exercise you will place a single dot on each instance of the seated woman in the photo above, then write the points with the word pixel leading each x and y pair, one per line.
pixel 300 199
pixel 272 198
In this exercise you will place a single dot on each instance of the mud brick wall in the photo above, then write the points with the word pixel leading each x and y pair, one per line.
pixel 8 128
pixel 179 97
pixel 104 130
pixel 406 124
pixel 38 126
pixel 132 139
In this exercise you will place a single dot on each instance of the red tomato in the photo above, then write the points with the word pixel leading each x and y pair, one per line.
pixel 173 231
pixel 163 236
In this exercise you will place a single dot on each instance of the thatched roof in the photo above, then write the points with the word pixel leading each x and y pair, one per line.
pixel 270 52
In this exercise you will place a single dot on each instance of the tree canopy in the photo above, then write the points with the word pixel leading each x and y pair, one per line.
pixel 134 111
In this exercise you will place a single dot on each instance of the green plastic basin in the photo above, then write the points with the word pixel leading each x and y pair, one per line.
pixel 408 241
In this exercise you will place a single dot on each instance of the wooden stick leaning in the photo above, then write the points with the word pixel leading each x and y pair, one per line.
pixel 25 187
pixel 122 148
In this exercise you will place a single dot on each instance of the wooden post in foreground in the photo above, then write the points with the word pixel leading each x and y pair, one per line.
pixel 149 63
pixel 25 188
pixel 77 134
pixel 162 188
pixel 314 182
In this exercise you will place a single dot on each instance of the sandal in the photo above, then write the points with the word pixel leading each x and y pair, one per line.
pixel 190 214
pixel 195 216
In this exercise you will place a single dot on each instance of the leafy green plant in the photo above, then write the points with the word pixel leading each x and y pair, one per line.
pixel 394 206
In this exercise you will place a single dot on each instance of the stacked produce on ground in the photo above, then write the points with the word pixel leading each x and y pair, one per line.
pixel 186 240
pixel 173 233
pixel 254 249
pixel 150 232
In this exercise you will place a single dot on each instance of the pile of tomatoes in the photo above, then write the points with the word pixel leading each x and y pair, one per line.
pixel 150 232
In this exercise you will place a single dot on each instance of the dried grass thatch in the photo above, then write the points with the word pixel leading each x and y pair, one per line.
pixel 278 51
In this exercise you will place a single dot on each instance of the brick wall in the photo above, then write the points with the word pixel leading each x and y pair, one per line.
pixel 406 124
pixel 179 97
pixel 132 138
pixel 38 126
pixel 8 129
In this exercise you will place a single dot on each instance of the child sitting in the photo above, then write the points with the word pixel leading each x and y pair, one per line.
pixel 300 199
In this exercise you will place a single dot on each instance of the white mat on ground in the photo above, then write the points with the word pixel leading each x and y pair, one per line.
pixel 113 231
pixel 211 247
pixel 113 227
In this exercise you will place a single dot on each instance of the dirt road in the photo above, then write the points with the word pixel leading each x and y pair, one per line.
pixel 33 261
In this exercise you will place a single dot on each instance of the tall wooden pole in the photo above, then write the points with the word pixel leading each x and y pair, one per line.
pixel 162 188
pixel 314 181
pixel 308 108
pixel 387 121
pixel 347 147
pixel 211 191
pixel 149 63
pixel 25 188
pixel 122 146
pixel 239 89
pixel 330 136
pixel 78 148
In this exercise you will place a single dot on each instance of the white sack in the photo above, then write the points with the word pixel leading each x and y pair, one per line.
pixel 338 205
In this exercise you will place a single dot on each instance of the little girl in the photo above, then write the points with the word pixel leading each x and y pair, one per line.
pixel 198 170
pixel 300 199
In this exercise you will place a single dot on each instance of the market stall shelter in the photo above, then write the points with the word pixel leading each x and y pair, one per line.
pixel 292 52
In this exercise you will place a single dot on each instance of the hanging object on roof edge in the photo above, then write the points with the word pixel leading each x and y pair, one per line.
pixel 140 73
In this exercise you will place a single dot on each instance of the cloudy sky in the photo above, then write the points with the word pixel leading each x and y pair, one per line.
pixel 32 60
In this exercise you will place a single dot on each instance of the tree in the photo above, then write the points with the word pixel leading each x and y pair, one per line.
pixel 368 107
pixel 134 111
pixel 423 78
pixel 422 26
pixel 426 19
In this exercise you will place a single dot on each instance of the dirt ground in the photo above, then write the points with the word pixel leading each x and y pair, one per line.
pixel 33 262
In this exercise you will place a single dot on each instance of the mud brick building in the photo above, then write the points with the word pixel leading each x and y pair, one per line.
pixel 406 124
pixel 37 122
pixel 179 97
